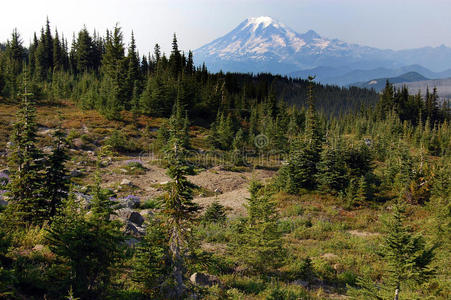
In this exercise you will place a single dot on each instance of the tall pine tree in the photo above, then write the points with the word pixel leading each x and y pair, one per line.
pixel 179 209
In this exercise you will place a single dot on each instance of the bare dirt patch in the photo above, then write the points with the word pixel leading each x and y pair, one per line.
pixel 363 233
pixel 231 187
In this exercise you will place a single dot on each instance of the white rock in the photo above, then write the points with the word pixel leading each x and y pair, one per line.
pixel 126 181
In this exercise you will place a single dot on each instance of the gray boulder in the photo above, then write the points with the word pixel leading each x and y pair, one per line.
pixel 204 280
pixel 130 201
pixel 302 283
pixel 134 230
pixel 126 182
pixel 127 214
pixel 130 228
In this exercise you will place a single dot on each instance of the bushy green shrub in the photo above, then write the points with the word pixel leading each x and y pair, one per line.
pixel 247 285
pixel 120 143
pixel 276 292
pixel 215 213
pixel 300 269
pixel 151 204
pixel 73 134
pixel 135 167
pixel 214 232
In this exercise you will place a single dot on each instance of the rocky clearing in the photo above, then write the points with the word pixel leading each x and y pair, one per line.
pixel 227 187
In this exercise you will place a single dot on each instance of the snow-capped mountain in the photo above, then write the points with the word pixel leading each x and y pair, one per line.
pixel 263 44
pixel 262 38
pixel 269 45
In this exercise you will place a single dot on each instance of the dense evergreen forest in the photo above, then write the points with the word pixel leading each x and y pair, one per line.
pixel 348 192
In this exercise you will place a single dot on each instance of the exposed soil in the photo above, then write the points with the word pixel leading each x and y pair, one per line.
pixel 363 233
pixel 229 188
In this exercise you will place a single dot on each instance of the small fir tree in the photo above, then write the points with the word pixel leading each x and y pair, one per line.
pixel 408 261
pixel 91 244
pixel 25 161
pixel 215 213
pixel 152 262
pixel 406 254
pixel 300 170
pixel 258 242
pixel 332 171
pixel 56 183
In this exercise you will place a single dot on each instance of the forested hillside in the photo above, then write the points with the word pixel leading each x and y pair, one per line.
pixel 145 177
pixel 101 72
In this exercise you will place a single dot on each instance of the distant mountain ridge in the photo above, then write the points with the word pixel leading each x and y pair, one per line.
pixel 379 83
pixel 346 76
pixel 263 44
pixel 443 87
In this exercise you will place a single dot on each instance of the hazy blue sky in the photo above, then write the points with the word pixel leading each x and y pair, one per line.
pixel 395 24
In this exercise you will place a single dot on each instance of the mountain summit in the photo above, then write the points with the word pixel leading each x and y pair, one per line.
pixel 262 41
pixel 263 44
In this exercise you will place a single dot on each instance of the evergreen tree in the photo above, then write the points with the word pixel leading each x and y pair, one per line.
pixel 175 60
pixel 154 99
pixel 84 52
pixel 407 256
pixel 48 46
pixel 91 244
pixel 186 141
pixel 179 126
pixel 44 54
pixel 362 192
pixel 157 53
pixel 32 55
pixel 258 242
pixel 145 67
pixel 179 208
pixel 190 63
pixel 215 213
pixel 14 59
pixel 385 104
pixel 432 106
pixel 6 275
pixel 238 148
pixel 114 88
pixel 57 53
pixel 332 172
pixel 56 183
pixel 133 75
pixel 41 63
pixel 163 136
pixel 151 266
pixel 313 134
pixel 25 187
pixel 300 170
pixel 224 132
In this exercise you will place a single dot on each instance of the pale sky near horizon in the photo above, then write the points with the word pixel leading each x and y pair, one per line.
pixel 393 24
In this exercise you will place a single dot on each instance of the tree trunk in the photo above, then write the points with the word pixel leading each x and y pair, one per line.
pixel 397 292
pixel 177 264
